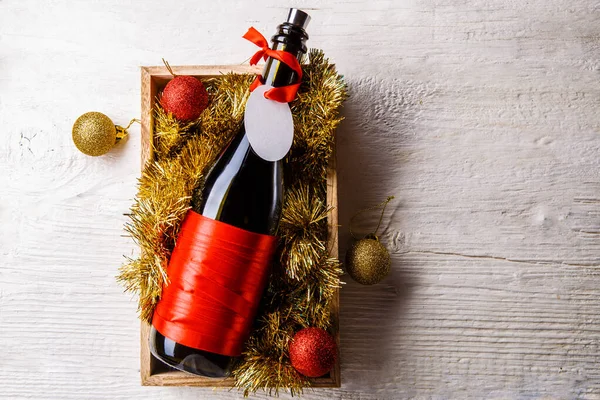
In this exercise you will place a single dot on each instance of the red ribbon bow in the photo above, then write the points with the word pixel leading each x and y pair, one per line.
pixel 283 94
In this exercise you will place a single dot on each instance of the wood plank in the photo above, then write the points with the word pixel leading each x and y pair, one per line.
pixel 480 116
pixel 161 72
pixel 333 246
pixel 149 92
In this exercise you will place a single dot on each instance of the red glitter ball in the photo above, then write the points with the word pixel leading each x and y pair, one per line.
pixel 185 97
pixel 313 352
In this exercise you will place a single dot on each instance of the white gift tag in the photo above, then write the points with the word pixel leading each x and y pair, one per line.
pixel 269 125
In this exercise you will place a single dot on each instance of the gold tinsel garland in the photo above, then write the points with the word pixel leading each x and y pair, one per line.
pixel 304 278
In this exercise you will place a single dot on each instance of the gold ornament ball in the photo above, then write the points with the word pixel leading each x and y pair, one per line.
pixel 368 261
pixel 94 134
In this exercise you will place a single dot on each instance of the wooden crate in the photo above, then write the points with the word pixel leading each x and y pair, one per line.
pixel 153 372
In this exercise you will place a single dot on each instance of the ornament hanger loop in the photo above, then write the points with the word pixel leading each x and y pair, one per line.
pixel 169 67
pixel 382 204
pixel 122 132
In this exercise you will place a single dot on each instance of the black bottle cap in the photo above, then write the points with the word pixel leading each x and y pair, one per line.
pixel 298 18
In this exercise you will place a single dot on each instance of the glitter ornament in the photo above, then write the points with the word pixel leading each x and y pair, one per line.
pixel 313 352
pixel 95 134
pixel 184 96
pixel 368 261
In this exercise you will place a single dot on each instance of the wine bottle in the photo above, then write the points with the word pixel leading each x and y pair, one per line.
pixel 242 190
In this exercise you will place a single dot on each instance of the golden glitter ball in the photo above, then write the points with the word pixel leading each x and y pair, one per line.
pixel 94 134
pixel 368 261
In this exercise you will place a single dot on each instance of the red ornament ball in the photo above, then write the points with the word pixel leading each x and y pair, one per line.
pixel 313 352
pixel 185 97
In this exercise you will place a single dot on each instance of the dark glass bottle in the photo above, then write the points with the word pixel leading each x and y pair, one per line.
pixel 242 190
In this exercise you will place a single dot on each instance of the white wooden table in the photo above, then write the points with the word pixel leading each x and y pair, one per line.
pixel 482 117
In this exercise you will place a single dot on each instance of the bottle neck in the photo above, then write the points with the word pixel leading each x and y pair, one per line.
pixel 291 39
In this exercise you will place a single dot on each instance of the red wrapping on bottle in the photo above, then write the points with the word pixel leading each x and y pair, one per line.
pixel 217 274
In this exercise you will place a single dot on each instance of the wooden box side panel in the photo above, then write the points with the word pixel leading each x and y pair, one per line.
pixel 152 371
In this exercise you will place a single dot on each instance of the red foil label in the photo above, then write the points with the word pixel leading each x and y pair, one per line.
pixel 217 275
